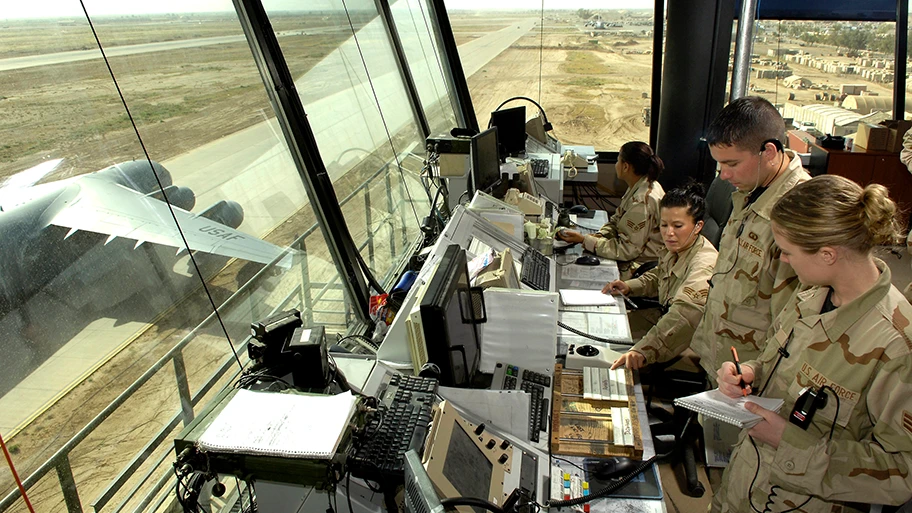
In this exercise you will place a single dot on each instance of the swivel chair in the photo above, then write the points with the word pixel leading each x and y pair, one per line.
pixel 718 209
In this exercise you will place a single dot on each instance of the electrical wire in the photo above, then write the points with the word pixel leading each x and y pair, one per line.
pixel 593 337
pixel 568 461
pixel 470 501
pixel 613 487
pixel 9 460
pixel 389 136
pixel 161 187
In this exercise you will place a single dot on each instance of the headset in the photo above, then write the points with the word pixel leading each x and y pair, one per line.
pixel 547 125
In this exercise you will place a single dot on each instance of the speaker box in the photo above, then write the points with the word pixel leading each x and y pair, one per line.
pixel 308 356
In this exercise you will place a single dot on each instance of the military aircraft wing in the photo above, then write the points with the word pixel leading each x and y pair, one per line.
pixel 102 206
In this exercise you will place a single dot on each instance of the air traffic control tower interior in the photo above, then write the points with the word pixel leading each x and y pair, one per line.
pixel 211 207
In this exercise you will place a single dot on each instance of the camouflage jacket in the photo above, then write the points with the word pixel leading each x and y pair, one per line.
pixel 680 283
pixel 632 233
pixel 863 352
pixel 749 285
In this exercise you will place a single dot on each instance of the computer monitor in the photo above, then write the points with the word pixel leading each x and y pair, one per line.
pixel 511 130
pixel 442 328
pixel 420 496
pixel 485 161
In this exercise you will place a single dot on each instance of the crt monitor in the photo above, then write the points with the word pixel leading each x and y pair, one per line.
pixel 511 130
pixel 485 161
pixel 448 320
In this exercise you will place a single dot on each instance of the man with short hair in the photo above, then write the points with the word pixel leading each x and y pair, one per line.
pixel 749 285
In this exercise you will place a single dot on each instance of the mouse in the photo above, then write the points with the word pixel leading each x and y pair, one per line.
pixel 578 209
pixel 615 467
pixel 588 260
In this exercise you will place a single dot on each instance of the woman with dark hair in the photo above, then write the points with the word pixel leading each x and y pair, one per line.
pixel 679 281
pixel 632 233
pixel 838 355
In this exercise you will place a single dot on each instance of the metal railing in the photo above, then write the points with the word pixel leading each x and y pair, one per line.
pixel 305 298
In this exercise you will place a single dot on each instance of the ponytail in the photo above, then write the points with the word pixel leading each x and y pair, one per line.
pixel 643 160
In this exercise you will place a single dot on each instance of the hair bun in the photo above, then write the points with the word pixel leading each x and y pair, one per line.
pixel 878 213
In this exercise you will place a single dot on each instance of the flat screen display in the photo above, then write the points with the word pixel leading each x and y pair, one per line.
pixel 485 161
pixel 511 130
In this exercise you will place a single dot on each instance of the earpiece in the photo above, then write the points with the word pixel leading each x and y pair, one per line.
pixel 775 142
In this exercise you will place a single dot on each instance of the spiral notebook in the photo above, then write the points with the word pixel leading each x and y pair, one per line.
pixel 284 425
pixel 717 405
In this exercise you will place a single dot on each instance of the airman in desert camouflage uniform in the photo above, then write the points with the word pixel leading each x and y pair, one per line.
pixel 679 281
pixel 632 233
pixel 848 337
pixel 749 285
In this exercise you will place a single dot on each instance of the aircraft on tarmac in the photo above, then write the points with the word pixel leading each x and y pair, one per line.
pixel 121 201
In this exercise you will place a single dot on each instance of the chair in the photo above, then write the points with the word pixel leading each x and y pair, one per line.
pixel 718 209
pixel 678 377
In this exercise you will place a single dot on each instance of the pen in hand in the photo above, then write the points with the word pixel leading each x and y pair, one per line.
pixel 630 304
pixel 738 370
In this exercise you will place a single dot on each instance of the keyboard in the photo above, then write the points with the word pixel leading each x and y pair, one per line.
pixel 538 385
pixel 401 425
pixel 540 167
pixel 536 270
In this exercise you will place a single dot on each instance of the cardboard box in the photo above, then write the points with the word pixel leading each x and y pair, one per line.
pixel 872 137
pixel 799 141
pixel 898 129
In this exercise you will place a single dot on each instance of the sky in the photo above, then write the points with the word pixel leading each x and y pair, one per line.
pixel 68 8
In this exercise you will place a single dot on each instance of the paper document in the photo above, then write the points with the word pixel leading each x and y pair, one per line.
pixel 582 297
pixel 717 405
pixel 275 424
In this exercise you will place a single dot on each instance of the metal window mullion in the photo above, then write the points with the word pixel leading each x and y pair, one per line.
pixel 389 24
pixel 658 36
pixel 452 66
pixel 899 58
pixel 304 150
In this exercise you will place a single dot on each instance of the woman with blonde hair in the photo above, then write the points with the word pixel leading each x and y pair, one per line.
pixel 839 356
pixel 632 233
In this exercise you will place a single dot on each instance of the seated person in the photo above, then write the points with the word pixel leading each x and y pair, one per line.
pixel 632 233
pixel 680 281
pixel 847 337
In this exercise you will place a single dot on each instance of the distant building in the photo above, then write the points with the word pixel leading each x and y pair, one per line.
pixel 826 118
pixel 796 82
pixel 868 104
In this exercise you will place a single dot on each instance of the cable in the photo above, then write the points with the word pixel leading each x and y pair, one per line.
pixel 593 337
pixel 547 125
pixel 161 187
pixel 470 501
pixel 568 461
pixel 9 460
pixel 348 494
pixel 613 487
pixel 370 342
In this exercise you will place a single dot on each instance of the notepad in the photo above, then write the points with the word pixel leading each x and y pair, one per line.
pixel 717 405
pixel 586 298
pixel 284 425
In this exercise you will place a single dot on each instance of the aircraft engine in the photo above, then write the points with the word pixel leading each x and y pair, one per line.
pixel 227 212
pixel 180 197
pixel 136 175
